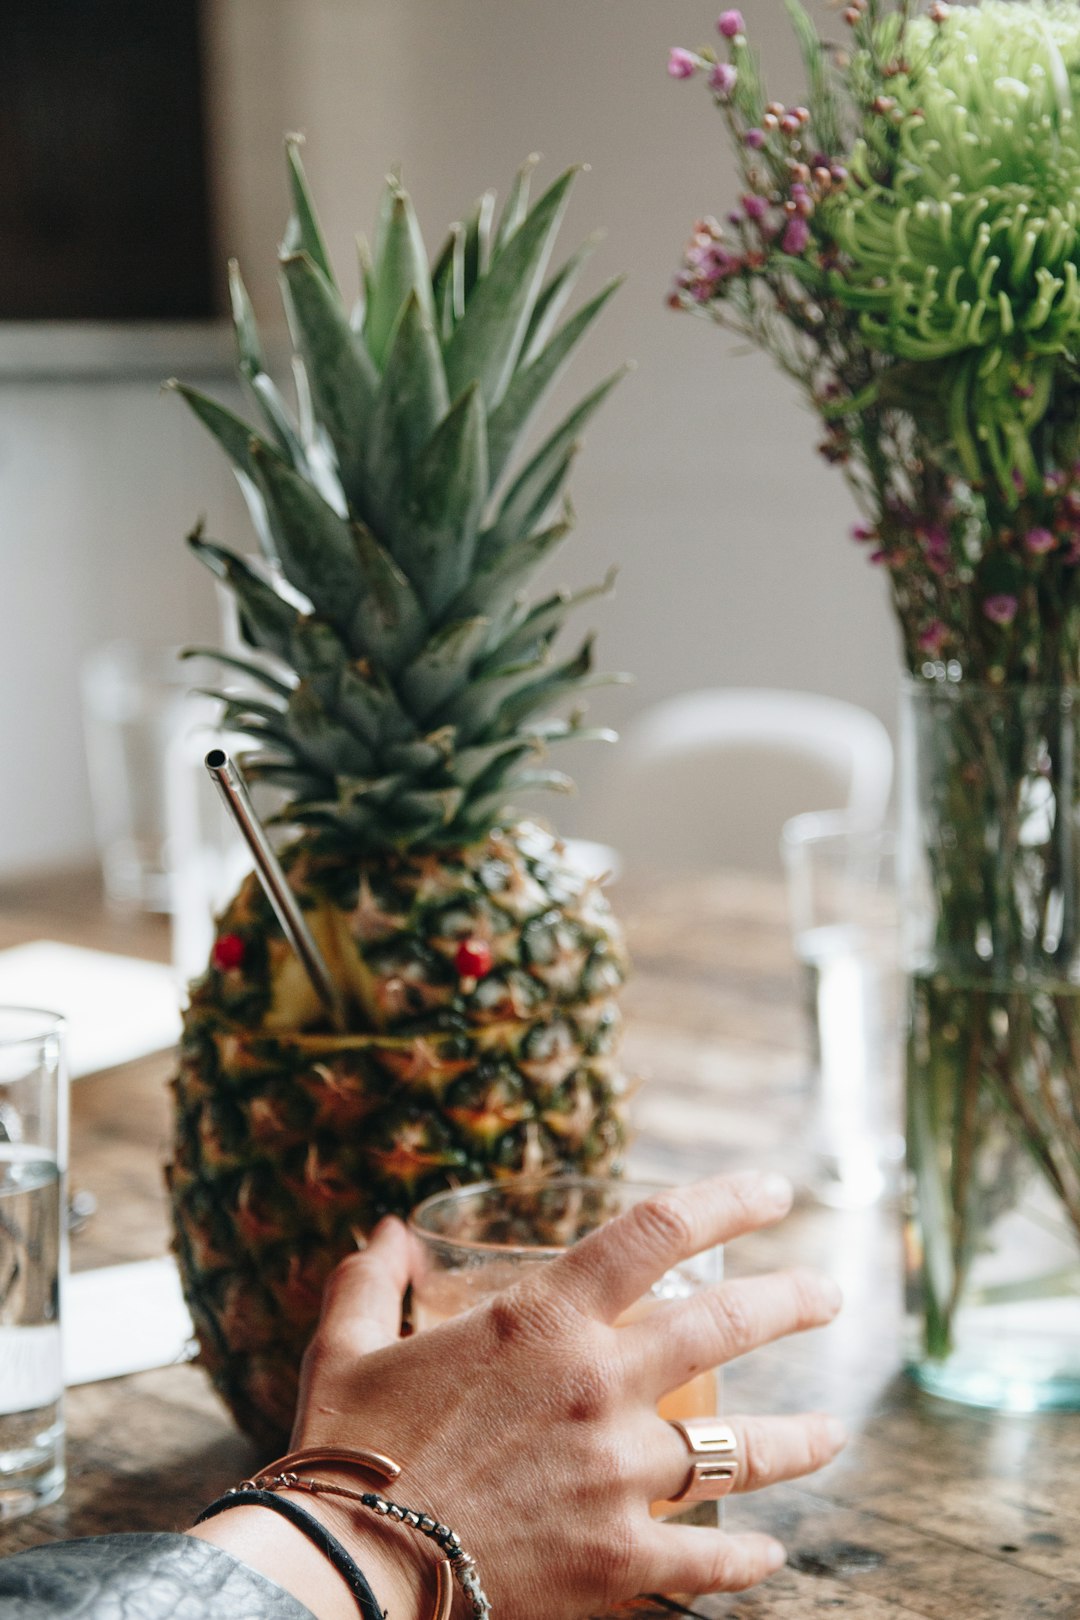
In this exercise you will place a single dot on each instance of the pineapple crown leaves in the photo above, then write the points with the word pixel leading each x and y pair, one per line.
pixel 400 674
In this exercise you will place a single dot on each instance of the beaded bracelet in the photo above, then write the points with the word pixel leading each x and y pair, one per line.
pixel 316 1532
pixel 284 1475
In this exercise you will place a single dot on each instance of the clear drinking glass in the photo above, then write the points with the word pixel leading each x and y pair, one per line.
pixel 844 914
pixel 134 704
pixel 33 1256
pixel 478 1240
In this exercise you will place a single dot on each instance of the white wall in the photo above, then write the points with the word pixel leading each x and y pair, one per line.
pixel 699 479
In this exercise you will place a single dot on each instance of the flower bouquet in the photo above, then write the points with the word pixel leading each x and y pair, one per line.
pixel 906 249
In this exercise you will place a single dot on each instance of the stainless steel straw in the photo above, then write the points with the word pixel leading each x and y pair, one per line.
pixel 234 794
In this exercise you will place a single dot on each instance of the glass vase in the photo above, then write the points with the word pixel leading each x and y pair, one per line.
pixel 990 872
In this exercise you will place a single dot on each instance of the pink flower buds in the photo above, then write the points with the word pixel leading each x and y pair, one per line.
pixel 681 64
pixel 1039 541
pixel 755 207
pixel 1001 609
pixel 723 78
pixel 933 637
pixel 754 139
pixel 796 237
pixel 731 23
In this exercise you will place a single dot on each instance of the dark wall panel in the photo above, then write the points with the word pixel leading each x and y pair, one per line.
pixel 103 197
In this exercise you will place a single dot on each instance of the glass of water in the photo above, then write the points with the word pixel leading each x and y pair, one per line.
pixel 842 893
pixel 33 1253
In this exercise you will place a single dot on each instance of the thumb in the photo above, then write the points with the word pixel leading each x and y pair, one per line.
pixel 361 1307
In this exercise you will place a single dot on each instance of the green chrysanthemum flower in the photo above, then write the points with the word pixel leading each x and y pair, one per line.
pixel 959 232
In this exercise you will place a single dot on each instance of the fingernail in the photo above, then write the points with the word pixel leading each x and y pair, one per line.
pixel 778 1190
pixel 831 1294
pixel 836 1433
pixel 775 1555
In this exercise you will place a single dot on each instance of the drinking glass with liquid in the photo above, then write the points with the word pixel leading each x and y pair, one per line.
pixel 845 931
pixel 33 1252
pixel 478 1240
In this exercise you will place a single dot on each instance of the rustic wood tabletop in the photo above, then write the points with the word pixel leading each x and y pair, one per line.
pixel 935 1511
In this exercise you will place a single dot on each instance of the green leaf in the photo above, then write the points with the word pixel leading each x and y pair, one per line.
pixel 553 299
pixel 472 709
pixel 529 385
pixel 412 402
pixel 535 627
pixel 387 622
pixel 436 540
pixel 821 99
pixel 448 282
pixel 401 269
pixel 531 493
pixel 343 381
pixel 476 255
pixel 415 812
pixel 249 347
pixel 443 666
pixel 269 621
pixel 303 233
pixel 236 438
pixel 366 703
pixel 550 688
pixel 472 764
pixel 517 203
pixel 318 552
pixel 487 341
pixel 321 740
pixel 256 672
pixel 413 758
pixel 493 585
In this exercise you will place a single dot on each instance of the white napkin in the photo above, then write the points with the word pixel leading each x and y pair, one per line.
pixel 124 1319
pixel 117 1007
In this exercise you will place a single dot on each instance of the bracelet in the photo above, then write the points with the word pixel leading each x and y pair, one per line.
pixel 316 1532
pixel 284 1475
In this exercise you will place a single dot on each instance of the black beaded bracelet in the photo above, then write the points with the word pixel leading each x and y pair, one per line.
pixel 316 1532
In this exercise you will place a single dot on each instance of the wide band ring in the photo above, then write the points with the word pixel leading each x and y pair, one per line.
pixel 714 1459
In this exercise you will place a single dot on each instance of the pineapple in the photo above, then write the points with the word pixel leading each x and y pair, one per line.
pixel 403 684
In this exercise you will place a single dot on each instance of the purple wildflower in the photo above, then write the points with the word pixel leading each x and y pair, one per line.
pixel 754 139
pixel 863 532
pixel 933 637
pixel 1039 541
pixel 797 235
pixel 1001 609
pixel 730 23
pixel 723 78
pixel 755 207
pixel 681 64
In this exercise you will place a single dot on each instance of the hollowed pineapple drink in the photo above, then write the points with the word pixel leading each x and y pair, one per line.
pixel 398 682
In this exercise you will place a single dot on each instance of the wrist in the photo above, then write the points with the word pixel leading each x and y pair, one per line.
pixel 400 1568
pixel 277 1548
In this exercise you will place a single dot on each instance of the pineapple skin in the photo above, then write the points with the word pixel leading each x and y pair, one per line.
pixel 291 1141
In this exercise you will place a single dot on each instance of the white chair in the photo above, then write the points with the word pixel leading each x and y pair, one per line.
pixel 707 779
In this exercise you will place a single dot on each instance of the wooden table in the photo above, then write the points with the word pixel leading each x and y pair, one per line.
pixel 935 1510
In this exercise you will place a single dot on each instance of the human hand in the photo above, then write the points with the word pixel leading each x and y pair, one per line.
pixel 529 1424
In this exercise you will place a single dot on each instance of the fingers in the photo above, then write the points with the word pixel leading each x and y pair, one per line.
pixel 675 1342
pixel 616 1266
pixel 361 1307
pixel 768 1450
pixel 689 1558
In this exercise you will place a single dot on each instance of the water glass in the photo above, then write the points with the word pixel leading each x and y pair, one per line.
pixel 33 1254
pixel 134 705
pixel 844 914
pixel 478 1240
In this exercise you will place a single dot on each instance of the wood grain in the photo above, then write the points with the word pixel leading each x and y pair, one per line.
pixel 935 1511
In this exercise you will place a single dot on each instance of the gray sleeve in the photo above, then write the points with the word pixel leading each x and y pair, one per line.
pixel 139 1577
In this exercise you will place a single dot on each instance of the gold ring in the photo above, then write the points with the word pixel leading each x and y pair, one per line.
pixel 714 1459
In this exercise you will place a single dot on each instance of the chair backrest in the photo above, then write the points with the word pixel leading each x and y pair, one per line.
pixel 707 779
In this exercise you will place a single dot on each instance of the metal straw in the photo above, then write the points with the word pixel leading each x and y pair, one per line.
pixel 230 785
